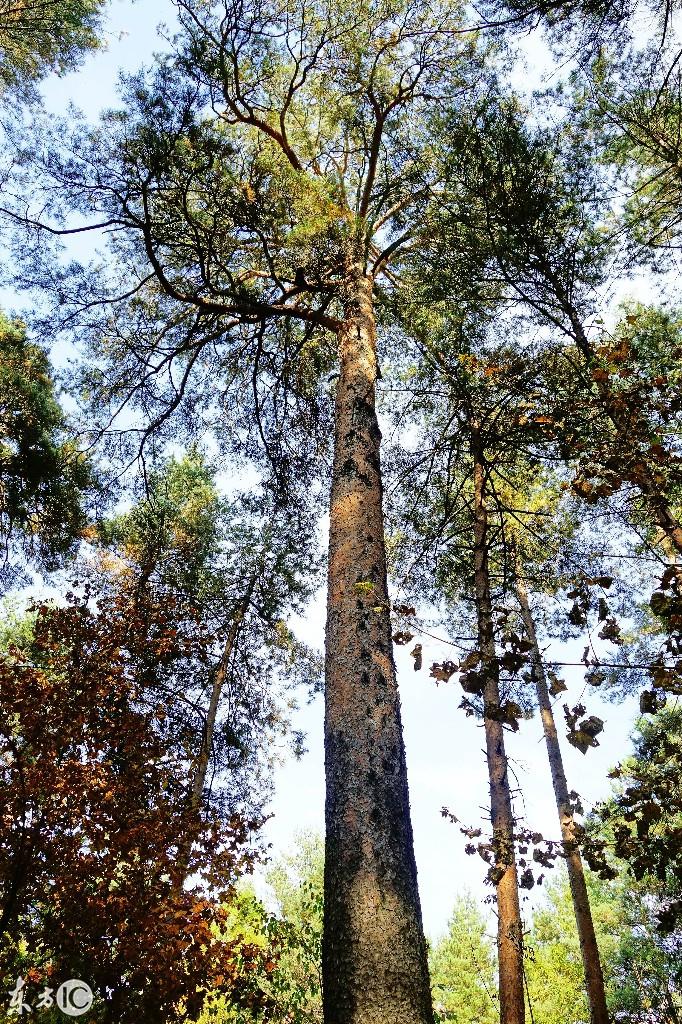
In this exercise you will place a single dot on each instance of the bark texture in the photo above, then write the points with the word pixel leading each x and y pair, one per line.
pixel 509 925
pixel 594 978
pixel 374 954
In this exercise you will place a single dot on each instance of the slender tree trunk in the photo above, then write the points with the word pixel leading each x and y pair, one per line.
pixel 200 767
pixel 203 756
pixel 624 420
pixel 594 978
pixel 509 926
pixel 374 963
pixel 672 1014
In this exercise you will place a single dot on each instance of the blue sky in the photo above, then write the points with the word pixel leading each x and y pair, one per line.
pixel 446 767
pixel 445 756
pixel 130 39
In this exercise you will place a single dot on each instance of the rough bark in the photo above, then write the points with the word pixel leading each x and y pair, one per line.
pixel 594 978
pixel 509 925
pixel 374 954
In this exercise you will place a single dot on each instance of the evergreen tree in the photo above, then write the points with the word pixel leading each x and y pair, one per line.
pixel 644 816
pixel 40 36
pixel 297 880
pixel 632 106
pixel 589 947
pixel 486 539
pixel 642 970
pixel 236 568
pixel 44 477
pixel 524 213
pixel 463 968
pixel 555 966
pixel 292 936
pixel 469 400
pixel 261 183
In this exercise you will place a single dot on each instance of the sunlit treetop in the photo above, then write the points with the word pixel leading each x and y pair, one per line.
pixel 595 21
pixel 183 536
pixel 292 146
pixel 42 36
pixel 279 149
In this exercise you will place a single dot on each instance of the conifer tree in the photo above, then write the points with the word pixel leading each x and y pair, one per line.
pixel 463 968
pixel 487 518
pixel 259 186
pixel 594 977
pixel 234 568
pixel 44 477
pixel 524 214
pixel 643 816
pixel 40 36
pixel 630 103
pixel 470 445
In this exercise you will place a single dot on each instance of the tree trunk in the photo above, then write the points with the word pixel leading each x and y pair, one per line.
pixel 509 926
pixel 201 765
pixel 594 978
pixel 373 953
pixel 200 768
pixel 672 1014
